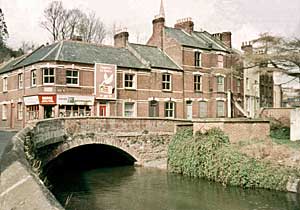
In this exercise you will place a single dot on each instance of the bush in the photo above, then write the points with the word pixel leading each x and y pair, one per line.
pixel 210 156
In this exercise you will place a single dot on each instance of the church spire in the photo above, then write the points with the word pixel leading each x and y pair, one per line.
pixel 162 10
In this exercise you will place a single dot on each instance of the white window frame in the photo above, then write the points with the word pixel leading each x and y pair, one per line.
pixel 72 77
pixel 33 77
pixel 223 103
pixel 196 83
pixel 219 85
pixel 20 80
pixel 247 83
pixel 198 59
pixel 167 82
pixel 5 84
pixel 20 111
pixel 220 61
pixel 49 76
pixel 134 80
pixel 169 112
pixel 200 109
pixel 4 111
pixel 133 109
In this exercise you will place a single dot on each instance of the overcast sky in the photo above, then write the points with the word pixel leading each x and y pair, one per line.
pixel 246 19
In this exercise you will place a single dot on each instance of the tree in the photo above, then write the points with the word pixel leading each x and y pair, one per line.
pixel 3 29
pixel 66 24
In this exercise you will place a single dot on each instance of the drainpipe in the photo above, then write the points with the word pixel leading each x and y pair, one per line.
pixel 24 92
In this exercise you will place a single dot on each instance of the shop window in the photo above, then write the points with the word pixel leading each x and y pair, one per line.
pixel 4 112
pixel 197 83
pixel 220 61
pixel 4 84
pixel 166 82
pixel 220 84
pixel 170 109
pixel 198 60
pixel 33 78
pixel 129 109
pixel 220 109
pixel 20 81
pixel 20 111
pixel 32 112
pixel 74 111
pixel 129 81
pixel 72 77
pixel 48 75
pixel 203 109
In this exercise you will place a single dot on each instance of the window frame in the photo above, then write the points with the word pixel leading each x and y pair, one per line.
pixel 223 106
pixel 20 81
pixel 72 77
pixel 219 84
pixel 33 78
pixel 20 111
pixel 200 109
pixel 133 109
pixel 220 62
pixel 5 84
pixel 198 84
pixel 48 76
pixel 198 59
pixel 238 86
pixel 133 81
pixel 169 112
pixel 167 82
pixel 4 112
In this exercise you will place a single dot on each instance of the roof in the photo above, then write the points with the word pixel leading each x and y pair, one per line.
pixel 78 52
pixel 10 64
pixel 197 39
pixel 155 56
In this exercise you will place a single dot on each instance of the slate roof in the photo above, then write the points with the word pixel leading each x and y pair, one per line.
pixel 155 56
pixel 197 39
pixel 77 52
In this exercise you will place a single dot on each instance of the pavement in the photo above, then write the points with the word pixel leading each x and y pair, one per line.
pixel 5 137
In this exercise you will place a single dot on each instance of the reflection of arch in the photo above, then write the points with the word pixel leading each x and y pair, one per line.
pixel 100 140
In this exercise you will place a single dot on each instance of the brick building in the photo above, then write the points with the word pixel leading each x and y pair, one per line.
pixel 180 73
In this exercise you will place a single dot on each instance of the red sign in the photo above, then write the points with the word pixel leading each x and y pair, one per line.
pixel 105 81
pixel 47 99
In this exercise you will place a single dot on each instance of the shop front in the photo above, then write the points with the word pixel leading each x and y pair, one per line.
pixel 32 107
pixel 48 103
pixel 75 105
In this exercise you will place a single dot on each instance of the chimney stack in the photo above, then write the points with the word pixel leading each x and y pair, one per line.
pixel 121 38
pixel 247 47
pixel 225 37
pixel 185 24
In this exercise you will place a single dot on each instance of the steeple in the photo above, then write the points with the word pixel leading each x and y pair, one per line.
pixel 162 10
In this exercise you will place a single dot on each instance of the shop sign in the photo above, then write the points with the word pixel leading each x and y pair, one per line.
pixel 31 100
pixel 105 81
pixel 47 99
pixel 75 100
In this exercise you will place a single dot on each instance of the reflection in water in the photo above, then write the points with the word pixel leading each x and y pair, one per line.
pixel 130 188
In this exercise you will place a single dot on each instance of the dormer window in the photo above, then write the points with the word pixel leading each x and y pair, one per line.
pixel 198 59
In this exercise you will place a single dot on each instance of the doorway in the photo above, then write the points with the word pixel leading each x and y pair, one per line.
pixel 48 112
pixel 189 110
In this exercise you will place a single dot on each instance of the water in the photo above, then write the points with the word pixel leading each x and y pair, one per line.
pixel 136 188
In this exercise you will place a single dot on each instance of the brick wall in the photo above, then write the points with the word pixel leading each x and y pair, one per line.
pixel 282 115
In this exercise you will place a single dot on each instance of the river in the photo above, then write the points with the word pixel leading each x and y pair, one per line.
pixel 137 188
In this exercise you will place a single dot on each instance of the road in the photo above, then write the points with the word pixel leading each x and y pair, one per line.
pixel 4 139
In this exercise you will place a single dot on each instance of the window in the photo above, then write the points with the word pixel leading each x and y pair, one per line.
pixel 238 86
pixel 153 109
pixel 4 84
pixel 220 83
pixel 170 109
pixel 220 109
pixel 166 82
pixel 128 109
pixel 48 75
pixel 247 84
pixel 220 61
pixel 203 109
pixel 33 78
pixel 198 59
pixel 197 82
pixel 20 111
pixel 20 81
pixel 32 112
pixel 129 80
pixel 72 77
pixel 4 112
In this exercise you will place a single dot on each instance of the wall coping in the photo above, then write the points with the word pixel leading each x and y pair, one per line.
pixel 230 120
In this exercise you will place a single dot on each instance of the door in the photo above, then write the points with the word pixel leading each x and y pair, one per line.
pixel 48 112
pixel 102 110
pixel 189 110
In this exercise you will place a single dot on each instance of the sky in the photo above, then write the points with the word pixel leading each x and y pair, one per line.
pixel 246 19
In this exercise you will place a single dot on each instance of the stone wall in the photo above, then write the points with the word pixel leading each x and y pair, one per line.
pixel 281 115
pixel 236 129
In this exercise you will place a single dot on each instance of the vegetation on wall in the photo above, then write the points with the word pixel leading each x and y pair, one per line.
pixel 210 156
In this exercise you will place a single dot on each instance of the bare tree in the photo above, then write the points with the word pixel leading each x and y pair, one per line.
pixel 26 47
pixel 74 19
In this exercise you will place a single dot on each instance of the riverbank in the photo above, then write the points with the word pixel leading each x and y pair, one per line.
pixel 211 156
